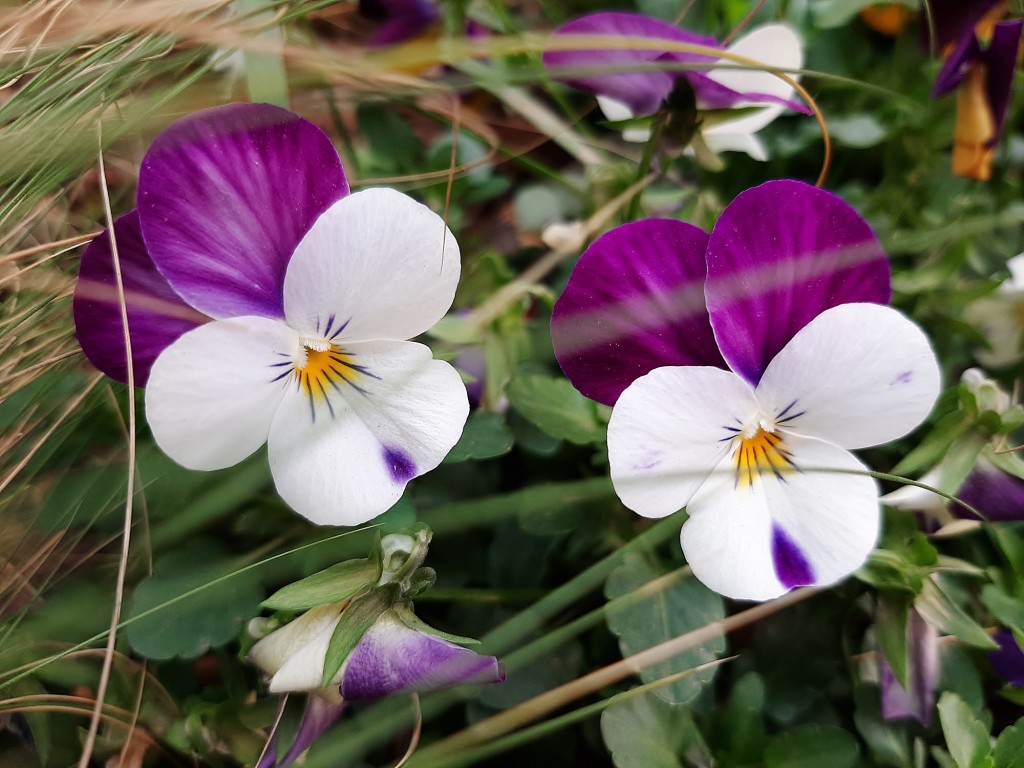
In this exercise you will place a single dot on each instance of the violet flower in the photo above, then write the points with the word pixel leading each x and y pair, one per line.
pixel 923 662
pixel 979 66
pixel 625 95
pixel 399 20
pixel 395 654
pixel 244 217
pixel 1008 659
pixel 738 365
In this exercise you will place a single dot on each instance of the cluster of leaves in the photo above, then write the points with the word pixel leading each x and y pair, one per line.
pixel 533 551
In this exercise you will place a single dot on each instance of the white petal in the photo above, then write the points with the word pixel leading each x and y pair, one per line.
pixel 616 110
pixel 735 142
pixel 294 655
pixel 377 264
pixel 997 318
pixel 212 394
pixel 395 421
pixel 915 499
pixel 807 527
pixel 856 375
pixel 776 45
pixel 668 431
pixel 1016 279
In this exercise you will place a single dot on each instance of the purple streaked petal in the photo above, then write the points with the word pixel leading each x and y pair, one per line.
pixel 393 658
pixel 779 255
pixel 954 70
pixel 400 19
pixel 791 565
pixel 642 91
pixel 156 314
pixel 996 494
pixel 1008 659
pixel 924 667
pixel 634 302
pixel 226 194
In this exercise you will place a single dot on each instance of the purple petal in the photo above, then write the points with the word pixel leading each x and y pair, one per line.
pixel 156 314
pixel 1000 64
pixel 956 66
pixel 393 658
pixel 1008 659
pixel 226 194
pixel 400 19
pixel 924 667
pixel 955 19
pixel 996 494
pixel 642 91
pixel 634 303
pixel 791 564
pixel 781 254
pixel 320 715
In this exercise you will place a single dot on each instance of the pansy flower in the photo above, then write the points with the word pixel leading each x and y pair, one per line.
pixel 268 305
pixel 743 367
pixel 1008 659
pixel 629 94
pixel 980 61
pixel 923 666
pixel 392 651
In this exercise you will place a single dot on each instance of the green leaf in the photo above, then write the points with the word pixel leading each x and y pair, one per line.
pixel 486 436
pixel 966 736
pixel 812 746
pixel 331 585
pixel 191 625
pixel 645 732
pixel 674 610
pixel 838 13
pixel 355 622
pixel 558 409
pixel 891 631
pixel 857 131
pixel 1008 610
pixel 265 69
pixel 1009 751
pixel 939 610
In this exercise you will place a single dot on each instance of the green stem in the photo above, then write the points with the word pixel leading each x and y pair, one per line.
pixel 645 162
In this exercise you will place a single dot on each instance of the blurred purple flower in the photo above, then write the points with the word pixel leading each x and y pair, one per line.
pixel 923 663
pixel 980 63
pixel 1008 659
pixel 399 20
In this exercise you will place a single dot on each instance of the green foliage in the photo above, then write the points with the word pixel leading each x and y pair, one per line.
pixel 486 436
pixel 646 732
pixel 180 612
pixel 966 737
pixel 681 607
pixel 557 408
pixel 812 746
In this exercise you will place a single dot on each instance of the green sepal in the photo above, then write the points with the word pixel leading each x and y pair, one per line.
pixel 421 580
pixel 940 611
pixel 412 621
pixel 336 584
pixel 891 632
pixel 355 622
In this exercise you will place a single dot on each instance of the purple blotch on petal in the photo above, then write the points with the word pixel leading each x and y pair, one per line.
pixel 393 658
pixel 400 464
pixel 1008 659
pixel 634 302
pixel 791 565
pixel 226 194
pixel 779 255
pixel 157 316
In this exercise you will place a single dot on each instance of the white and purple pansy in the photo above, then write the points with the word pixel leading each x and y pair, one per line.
pixel 623 95
pixel 743 367
pixel 268 305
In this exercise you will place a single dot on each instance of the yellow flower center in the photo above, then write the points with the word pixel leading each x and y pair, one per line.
pixel 758 453
pixel 326 368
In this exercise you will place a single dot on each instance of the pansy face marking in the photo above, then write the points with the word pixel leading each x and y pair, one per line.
pixel 743 408
pixel 293 302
